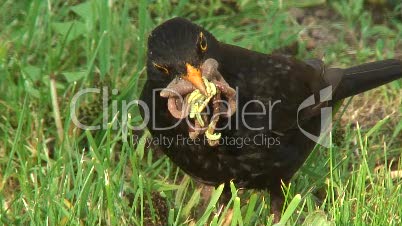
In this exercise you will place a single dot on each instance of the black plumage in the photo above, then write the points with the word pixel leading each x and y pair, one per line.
pixel 256 76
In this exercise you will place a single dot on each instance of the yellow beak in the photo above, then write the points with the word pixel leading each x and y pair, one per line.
pixel 195 77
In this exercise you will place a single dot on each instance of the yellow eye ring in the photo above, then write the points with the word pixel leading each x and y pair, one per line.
pixel 202 42
pixel 161 68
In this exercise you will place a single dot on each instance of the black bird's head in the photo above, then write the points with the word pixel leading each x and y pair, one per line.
pixel 176 49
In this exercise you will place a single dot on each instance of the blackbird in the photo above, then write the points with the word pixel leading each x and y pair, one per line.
pixel 265 141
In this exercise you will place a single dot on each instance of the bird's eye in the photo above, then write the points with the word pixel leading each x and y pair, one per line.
pixel 202 42
pixel 161 68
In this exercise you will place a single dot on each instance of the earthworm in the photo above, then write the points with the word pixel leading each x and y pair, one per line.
pixel 196 130
pixel 230 95
pixel 215 118
pixel 176 88
pixel 177 93
pixel 173 107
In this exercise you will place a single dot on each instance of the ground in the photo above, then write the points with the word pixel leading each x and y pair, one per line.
pixel 52 172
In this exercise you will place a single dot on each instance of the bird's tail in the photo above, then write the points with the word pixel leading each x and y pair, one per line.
pixel 358 79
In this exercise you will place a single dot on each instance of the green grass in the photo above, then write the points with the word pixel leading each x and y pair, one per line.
pixel 54 173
